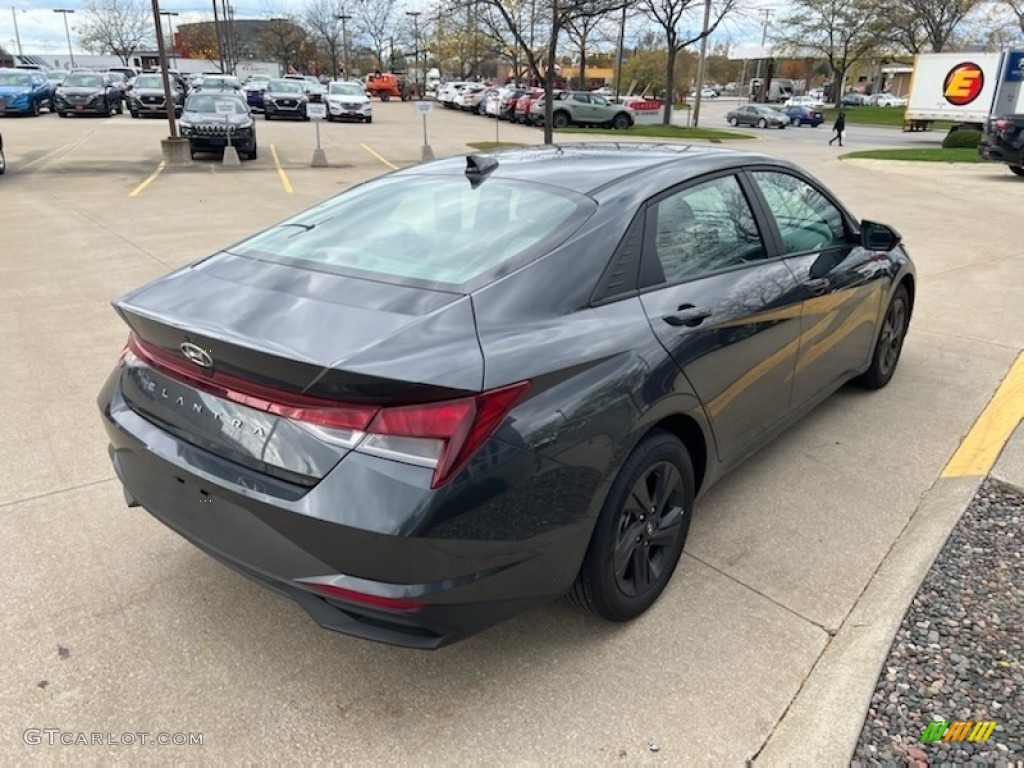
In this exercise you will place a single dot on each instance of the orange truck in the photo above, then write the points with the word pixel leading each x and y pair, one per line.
pixel 385 85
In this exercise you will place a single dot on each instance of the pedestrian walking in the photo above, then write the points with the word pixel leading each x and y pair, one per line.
pixel 839 128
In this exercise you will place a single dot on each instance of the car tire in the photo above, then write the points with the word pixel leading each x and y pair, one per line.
pixel 62 114
pixel 615 580
pixel 795 122
pixel 369 120
pixel 135 115
pixel 733 122
pixel 1017 170
pixel 266 116
pixel 253 153
pixel 385 96
pixel 120 107
pixel 3 163
pixel 889 344
pixel 35 109
pixel 762 123
pixel 560 120
pixel 192 153
pixel 621 122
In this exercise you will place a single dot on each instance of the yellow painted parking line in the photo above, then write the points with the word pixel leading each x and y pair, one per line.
pixel 280 171
pixel 152 177
pixel 978 452
pixel 390 165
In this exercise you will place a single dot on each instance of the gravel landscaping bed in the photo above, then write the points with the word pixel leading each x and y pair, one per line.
pixel 958 653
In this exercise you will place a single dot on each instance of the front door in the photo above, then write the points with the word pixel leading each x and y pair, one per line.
pixel 727 314
pixel 843 284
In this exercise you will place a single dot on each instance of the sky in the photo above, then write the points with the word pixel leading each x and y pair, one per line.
pixel 42 31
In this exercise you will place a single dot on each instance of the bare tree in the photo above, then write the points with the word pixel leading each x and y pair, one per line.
pixel 1016 7
pixel 922 25
pixel 580 31
pixel 376 22
pixel 558 14
pixel 321 19
pixel 842 31
pixel 669 15
pixel 118 27
pixel 284 41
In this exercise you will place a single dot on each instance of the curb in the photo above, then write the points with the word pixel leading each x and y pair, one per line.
pixel 825 719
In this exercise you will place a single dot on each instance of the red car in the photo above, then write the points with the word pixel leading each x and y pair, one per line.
pixel 522 113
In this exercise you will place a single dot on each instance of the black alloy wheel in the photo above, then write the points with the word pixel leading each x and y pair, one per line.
pixel 890 342
pixel 640 532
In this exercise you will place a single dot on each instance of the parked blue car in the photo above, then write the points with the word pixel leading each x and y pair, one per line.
pixel 804 116
pixel 24 91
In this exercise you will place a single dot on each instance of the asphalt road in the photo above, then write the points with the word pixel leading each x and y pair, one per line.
pixel 114 625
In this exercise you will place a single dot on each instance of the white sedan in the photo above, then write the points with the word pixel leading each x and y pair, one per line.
pixel 804 101
pixel 886 100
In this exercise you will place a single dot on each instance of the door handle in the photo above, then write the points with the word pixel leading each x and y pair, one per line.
pixel 688 315
pixel 817 286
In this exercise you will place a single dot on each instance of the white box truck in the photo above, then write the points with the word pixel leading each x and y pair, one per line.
pixel 957 87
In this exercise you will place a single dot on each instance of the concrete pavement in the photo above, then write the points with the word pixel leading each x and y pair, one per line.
pixel 796 568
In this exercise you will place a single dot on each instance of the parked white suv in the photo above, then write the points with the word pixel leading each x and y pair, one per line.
pixel 348 101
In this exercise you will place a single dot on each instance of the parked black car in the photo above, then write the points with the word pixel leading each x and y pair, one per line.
pixel 1003 142
pixel 207 123
pixel 416 435
pixel 285 98
pixel 799 115
pixel 147 98
pixel 88 92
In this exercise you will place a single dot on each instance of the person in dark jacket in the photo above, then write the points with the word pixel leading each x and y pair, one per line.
pixel 839 127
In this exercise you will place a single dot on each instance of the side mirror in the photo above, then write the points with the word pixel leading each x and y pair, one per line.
pixel 878 237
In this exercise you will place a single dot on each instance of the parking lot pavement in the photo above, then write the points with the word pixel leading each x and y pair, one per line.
pixel 114 625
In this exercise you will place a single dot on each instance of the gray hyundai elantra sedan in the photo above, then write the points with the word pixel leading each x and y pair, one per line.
pixel 470 387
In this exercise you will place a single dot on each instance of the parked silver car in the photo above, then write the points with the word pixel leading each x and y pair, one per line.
pixel 757 115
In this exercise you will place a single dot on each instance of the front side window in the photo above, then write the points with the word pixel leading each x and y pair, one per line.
pixel 704 229
pixel 807 220
pixel 423 229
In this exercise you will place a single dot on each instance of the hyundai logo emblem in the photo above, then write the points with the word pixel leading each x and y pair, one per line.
pixel 196 354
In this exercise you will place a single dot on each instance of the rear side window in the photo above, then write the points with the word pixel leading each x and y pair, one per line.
pixel 427 230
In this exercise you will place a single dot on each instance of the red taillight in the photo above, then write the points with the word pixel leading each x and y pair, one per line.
pixel 463 425
pixel 1002 125
pixel 443 436
pixel 391 603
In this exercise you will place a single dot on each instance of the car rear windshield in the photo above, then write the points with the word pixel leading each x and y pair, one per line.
pixel 150 81
pixel 432 231
pixel 88 81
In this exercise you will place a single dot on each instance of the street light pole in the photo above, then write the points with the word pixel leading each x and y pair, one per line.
pixel 416 53
pixel 67 31
pixel 621 54
pixel 17 34
pixel 164 74
pixel 344 18
pixel 170 24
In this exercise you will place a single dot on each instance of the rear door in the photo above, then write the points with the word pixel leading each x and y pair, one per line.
pixel 727 313
pixel 841 282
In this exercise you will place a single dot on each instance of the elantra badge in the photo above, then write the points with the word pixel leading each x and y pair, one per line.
pixel 196 354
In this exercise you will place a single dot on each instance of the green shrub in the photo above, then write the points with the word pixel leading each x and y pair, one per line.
pixel 965 137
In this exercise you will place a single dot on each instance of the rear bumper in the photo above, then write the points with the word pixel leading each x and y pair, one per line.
pixel 467 557
pixel 1000 154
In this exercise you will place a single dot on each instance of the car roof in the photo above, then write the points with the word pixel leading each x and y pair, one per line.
pixel 587 168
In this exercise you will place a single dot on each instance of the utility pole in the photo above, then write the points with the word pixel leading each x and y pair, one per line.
pixel 67 31
pixel 164 74
pixel 767 14
pixel 621 54
pixel 220 38
pixel 416 50
pixel 344 18
pixel 700 64
pixel 170 24
pixel 17 34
